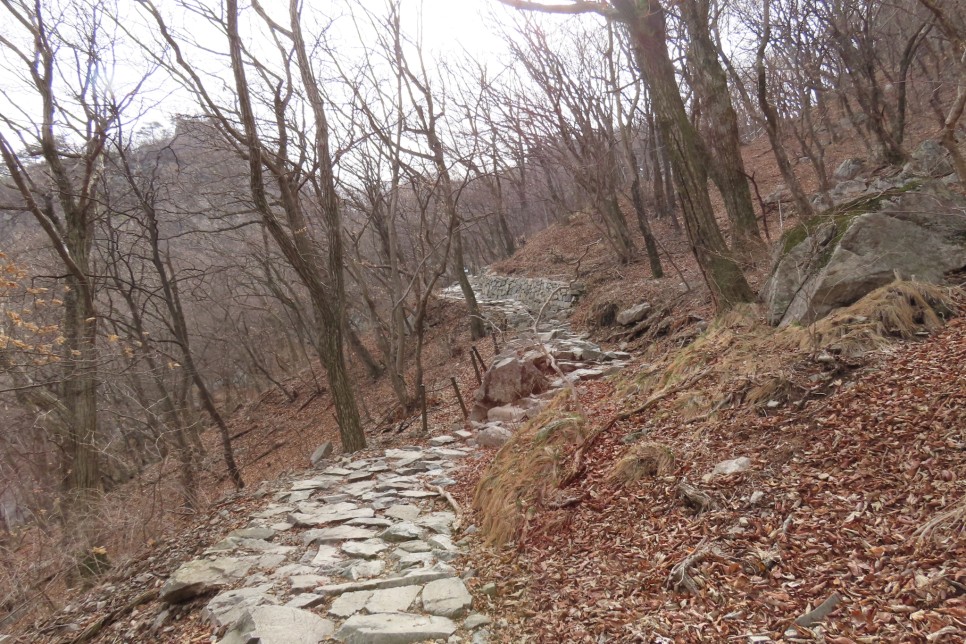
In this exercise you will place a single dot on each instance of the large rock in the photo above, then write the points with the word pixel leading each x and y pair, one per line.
pixel 930 159
pixel 394 628
pixel 493 436
pixel 634 314
pixel 848 169
pixel 202 576
pixel 511 379
pixel 507 380
pixel 279 625
pixel 840 256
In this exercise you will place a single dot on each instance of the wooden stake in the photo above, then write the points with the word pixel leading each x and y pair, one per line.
pixel 480 358
pixel 459 397
pixel 476 367
pixel 496 347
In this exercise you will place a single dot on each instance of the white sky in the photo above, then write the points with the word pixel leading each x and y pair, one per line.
pixel 447 28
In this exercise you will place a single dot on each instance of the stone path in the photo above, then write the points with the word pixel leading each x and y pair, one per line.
pixel 359 552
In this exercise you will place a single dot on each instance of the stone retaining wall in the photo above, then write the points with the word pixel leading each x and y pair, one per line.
pixel 532 293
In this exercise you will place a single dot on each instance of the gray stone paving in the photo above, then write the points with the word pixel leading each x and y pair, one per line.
pixel 357 552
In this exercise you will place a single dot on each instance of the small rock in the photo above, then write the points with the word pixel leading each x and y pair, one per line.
pixel 321 453
pixel 733 466
pixel 439 441
pixel 476 620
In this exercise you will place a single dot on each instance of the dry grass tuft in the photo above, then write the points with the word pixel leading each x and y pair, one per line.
pixel 741 358
pixel 645 460
pixel 899 311
pixel 527 470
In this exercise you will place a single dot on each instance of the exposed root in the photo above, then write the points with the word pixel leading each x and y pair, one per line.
pixel 695 498
pixel 946 520
pixel 680 579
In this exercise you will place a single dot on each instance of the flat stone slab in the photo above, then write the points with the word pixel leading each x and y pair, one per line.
pixel 305 600
pixel 415 578
pixel 327 555
pixel 394 628
pixel 403 512
pixel 201 576
pixel 342 533
pixel 417 494
pixel 252 533
pixel 439 441
pixel 314 484
pixel 365 569
pixel 341 517
pixel 364 549
pixel 228 607
pixel 279 625
pixel 402 531
pixel 392 600
pixel 446 597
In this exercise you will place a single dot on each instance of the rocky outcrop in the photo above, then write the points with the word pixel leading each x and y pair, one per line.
pixel 840 256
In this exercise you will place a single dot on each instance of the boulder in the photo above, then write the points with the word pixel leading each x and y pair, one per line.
pixel 846 190
pixel 840 256
pixel 510 379
pixel 202 576
pixel 781 194
pixel 506 414
pixel 930 159
pixel 634 314
pixel 493 436
pixel 848 169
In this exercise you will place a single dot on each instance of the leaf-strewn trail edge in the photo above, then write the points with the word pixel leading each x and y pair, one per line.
pixel 858 491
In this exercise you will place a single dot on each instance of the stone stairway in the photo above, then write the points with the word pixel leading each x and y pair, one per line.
pixel 359 552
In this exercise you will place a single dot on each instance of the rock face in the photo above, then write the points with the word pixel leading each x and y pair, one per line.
pixel 842 256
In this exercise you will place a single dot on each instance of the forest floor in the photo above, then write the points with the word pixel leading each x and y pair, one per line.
pixel 853 493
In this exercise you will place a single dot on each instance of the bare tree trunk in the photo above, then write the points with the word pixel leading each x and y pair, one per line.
pixel 711 84
pixel 646 22
pixel 773 123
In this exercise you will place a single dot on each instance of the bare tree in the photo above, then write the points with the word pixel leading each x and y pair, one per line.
pixel 647 26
